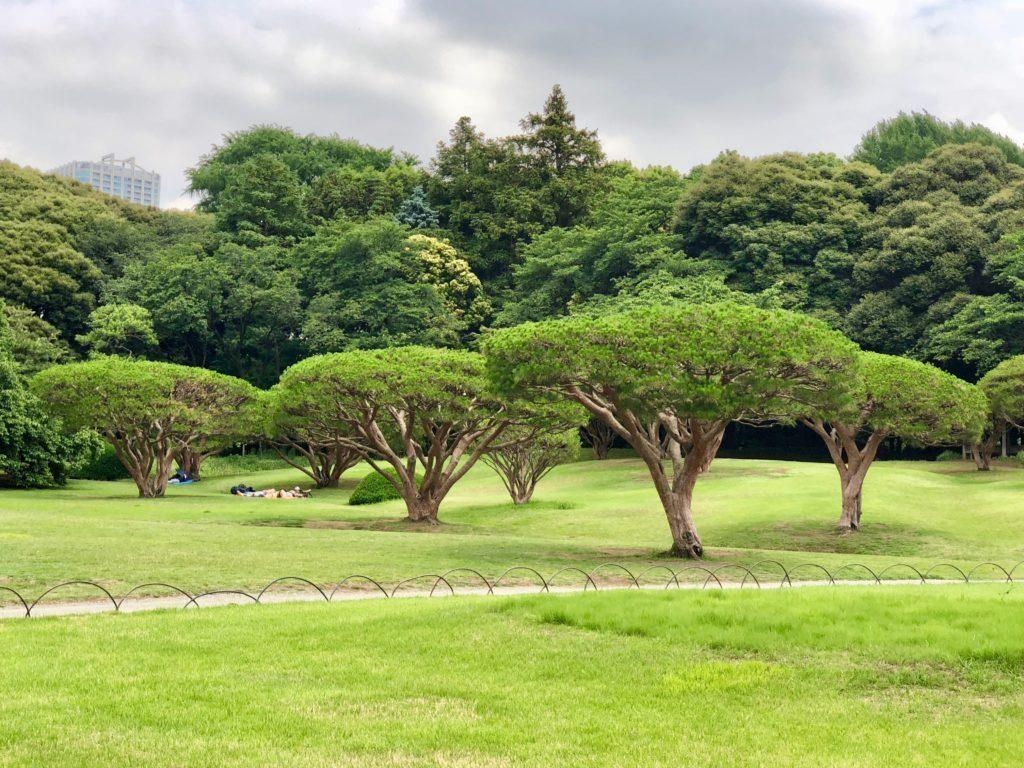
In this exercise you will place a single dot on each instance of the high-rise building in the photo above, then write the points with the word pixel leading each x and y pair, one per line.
pixel 120 178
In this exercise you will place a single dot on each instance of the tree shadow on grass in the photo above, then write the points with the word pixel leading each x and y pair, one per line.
pixel 875 538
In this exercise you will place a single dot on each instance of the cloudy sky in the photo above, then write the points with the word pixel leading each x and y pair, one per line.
pixel 669 82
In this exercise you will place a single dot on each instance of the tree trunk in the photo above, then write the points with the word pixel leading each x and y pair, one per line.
pixel 191 462
pixel 422 510
pixel 600 436
pixel 982 457
pixel 852 485
pixel 677 495
pixel 678 506
pixel 522 493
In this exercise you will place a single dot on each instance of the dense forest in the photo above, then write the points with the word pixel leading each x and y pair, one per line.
pixel 913 245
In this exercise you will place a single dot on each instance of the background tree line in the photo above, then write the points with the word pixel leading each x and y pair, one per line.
pixel 913 245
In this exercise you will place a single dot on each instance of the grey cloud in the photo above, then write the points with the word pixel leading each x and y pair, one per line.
pixel 664 82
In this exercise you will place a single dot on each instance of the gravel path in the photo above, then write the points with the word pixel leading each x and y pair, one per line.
pixel 136 604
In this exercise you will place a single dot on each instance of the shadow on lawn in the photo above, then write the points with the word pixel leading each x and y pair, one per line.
pixel 816 536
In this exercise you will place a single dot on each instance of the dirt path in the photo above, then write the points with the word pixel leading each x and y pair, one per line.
pixel 56 607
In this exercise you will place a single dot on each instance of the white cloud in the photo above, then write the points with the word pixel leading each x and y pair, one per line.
pixel 997 122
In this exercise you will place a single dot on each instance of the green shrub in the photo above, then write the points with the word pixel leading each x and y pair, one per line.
pixel 950 456
pixel 103 466
pixel 375 488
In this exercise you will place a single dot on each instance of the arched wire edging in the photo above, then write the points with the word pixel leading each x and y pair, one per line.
pixel 28 611
pixel 843 567
pixel 710 574
pixel 239 592
pixel 446 574
pixel 616 566
pixel 543 581
pixel 292 578
pixel 989 565
pixel 672 574
pixel 353 577
pixel 21 599
pixel 572 568
pixel 1014 569
pixel 190 601
pixel 937 566
pixel 747 573
pixel 908 566
pixel 785 573
pixel 821 568
pixel 436 576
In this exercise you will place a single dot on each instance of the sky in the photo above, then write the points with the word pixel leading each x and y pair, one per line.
pixel 666 83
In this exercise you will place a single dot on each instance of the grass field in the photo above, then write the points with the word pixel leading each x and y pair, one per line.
pixel 848 676
pixel 200 537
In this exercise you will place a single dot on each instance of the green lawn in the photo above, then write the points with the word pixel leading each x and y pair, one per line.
pixel 861 676
pixel 200 537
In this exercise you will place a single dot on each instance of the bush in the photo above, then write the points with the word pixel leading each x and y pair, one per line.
pixel 950 456
pixel 375 488
pixel 35 452
pixel 104 465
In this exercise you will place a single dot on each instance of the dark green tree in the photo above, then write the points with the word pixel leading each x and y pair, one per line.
pixel 262 201
pixel 626 236
pixel 560 160
pixel 34 451
pixel 368 290
pixel 794 221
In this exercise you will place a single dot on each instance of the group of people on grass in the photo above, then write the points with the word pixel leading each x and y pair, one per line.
pixel 270 493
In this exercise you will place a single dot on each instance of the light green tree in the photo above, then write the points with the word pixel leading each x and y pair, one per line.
pixel 120 329
pixel 690 369
pixel 149 412
pixel 1004 388
pixel 894 396
pixel 429 414
pixel 523 464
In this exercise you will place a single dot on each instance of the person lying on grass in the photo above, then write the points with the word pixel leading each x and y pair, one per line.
pixel 270 493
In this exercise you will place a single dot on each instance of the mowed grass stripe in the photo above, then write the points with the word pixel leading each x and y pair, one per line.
pixel 812 677
pixel 587 513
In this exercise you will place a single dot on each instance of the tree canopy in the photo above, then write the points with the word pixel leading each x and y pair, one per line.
pixel 34 450
pixel 147 411
pixel 910 137
pixel 308 244
pixel 428 413
pixel 679 372
pixel 893 396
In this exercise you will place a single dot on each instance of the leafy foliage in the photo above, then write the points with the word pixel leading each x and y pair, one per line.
pixel 147 411
pixel 415 211
pixel 677 373
pixel 104 465
pixel 1004 388
pixel 120 329
pixel 908 138
pixel 375 488
pixel 34 451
